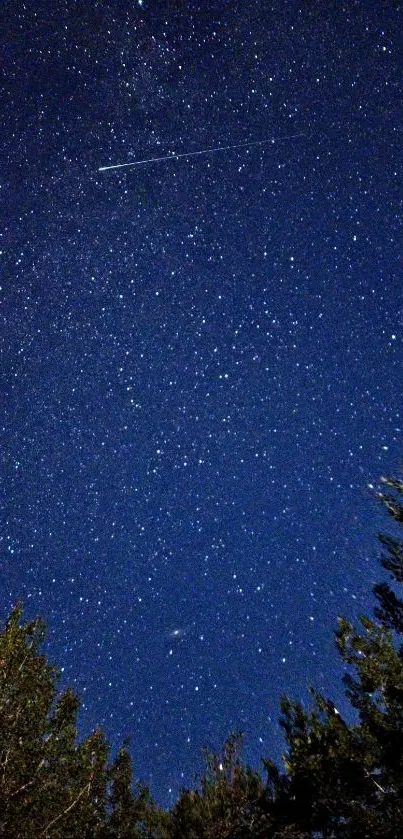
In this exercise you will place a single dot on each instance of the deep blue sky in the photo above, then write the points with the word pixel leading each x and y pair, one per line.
pixel 202 358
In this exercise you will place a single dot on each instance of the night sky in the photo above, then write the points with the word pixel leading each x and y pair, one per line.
pixel 202 357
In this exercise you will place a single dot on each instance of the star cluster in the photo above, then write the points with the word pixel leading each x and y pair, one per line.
pixel 201 357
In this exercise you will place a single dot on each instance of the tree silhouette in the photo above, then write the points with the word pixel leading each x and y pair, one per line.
pixel 339 780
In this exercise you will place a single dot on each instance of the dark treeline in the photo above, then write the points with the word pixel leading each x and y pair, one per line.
pixel 338 779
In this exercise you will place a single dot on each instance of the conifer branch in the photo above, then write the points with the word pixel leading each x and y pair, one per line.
pixel 67 810
pixel 371 777
pixel 28 783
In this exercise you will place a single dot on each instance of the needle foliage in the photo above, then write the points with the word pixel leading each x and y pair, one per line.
pixel 339 780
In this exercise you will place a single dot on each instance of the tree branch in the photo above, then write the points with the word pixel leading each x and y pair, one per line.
pixel 28 783
pixel 368 774
pixel 67 810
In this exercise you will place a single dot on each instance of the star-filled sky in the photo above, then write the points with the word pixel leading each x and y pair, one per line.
pixel 202 357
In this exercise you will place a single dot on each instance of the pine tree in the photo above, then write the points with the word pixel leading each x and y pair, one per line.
pixel 227 803
pixel 390 609
pixel 50 786
pixel 341 780
pixel 133 815
pixel 123 818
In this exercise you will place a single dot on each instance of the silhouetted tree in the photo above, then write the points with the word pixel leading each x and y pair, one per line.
pixel 49 785
pixel 226 803
pixel 339 780
pixel 345 780
pixel 390 609
pixel 132 815
pixel 52 786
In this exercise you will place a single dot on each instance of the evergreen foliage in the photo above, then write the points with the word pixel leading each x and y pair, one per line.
pixel 51 786
pixel 347 780
pixel 228 802
pixel 339 780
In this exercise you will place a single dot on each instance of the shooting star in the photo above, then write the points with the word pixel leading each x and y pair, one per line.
pixel 174 156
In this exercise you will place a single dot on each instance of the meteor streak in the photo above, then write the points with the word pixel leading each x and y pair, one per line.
pixel 174 156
